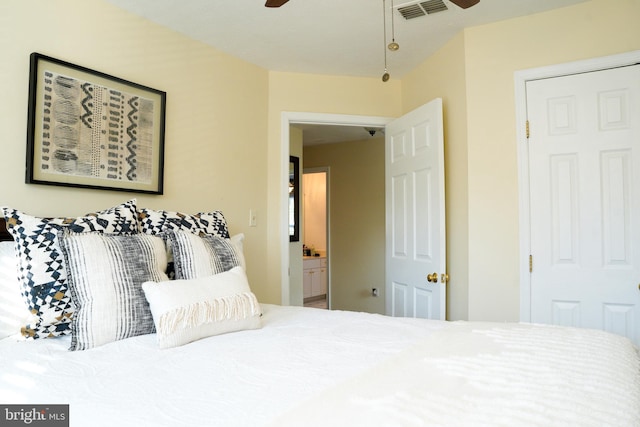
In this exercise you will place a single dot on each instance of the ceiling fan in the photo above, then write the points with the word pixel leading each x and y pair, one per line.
pixel 460 3
pixel 275 3
pixel 465 3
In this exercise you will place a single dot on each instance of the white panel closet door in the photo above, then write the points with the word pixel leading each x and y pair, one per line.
pixel 584 153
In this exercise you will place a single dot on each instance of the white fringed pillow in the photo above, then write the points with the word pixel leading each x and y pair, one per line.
pixel 188 310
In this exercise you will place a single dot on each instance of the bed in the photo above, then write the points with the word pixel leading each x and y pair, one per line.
pixel 293 366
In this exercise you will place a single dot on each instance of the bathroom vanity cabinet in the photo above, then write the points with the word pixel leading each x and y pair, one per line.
pixel 314 276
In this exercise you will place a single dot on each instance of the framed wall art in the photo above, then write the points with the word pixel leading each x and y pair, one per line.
pixel 294 199
pixel 92 130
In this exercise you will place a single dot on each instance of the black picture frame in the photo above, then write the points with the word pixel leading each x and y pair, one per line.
pixel 294 199
pixel 89 129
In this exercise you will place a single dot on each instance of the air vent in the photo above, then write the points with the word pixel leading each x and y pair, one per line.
pixel 421 9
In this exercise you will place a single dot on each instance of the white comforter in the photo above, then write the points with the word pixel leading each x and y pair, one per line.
pixel 318 367
pixel 474 374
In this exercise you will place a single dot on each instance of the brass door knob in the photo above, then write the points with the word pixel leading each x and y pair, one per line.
pixel 432 277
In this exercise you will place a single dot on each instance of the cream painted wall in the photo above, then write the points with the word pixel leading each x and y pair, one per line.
pixel 493 53
pixel 214 160
pixel 212 95
pixel 357 230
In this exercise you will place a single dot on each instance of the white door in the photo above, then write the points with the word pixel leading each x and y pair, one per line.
pixel 415 221
pixel 584 154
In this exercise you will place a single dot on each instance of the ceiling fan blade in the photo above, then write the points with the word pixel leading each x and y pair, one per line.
pixel 275 3
pixel 465 3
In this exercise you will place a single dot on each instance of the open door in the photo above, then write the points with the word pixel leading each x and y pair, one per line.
pixel 415 214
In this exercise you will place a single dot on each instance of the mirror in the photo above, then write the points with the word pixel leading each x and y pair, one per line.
pixel 294 199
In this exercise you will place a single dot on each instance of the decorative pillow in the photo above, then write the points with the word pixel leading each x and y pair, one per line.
pixel 13 312
pixel 189 310
pixel 105 275
pixel 237 240
pixel 199 256
pixel 156 222
pixel 41 268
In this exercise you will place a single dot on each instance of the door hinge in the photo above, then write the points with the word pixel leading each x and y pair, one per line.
pixel 527 129
pixel 530 263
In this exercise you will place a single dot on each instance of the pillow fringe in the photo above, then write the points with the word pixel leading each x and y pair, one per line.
pixel 235 307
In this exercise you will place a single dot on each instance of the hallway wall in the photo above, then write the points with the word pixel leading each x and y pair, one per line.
pixel 357 231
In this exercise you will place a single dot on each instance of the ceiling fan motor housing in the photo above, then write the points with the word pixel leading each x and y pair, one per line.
pixel 275 3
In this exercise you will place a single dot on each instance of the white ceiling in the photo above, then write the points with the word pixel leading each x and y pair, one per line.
pixel 337 37
pixel 315 134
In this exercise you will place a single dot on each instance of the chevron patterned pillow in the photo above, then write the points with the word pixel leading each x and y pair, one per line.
pixel 41 267
pixel 158 221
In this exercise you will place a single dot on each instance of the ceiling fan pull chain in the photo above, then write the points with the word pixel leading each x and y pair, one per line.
pixel 393 46
pixel 385 76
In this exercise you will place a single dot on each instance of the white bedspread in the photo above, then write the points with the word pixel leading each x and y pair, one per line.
pixel 240 379
pixel 475 374
pixel 318 367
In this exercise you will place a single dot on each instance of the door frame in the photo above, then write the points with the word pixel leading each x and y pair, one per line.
pixel 287 118
pixel 521 78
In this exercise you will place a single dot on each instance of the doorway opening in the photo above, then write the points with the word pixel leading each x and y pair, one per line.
pixel 316 254
pixel 288 119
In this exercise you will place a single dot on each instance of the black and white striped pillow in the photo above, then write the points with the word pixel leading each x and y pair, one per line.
pixel 105 276
pixel 199 256
pixel 159 222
